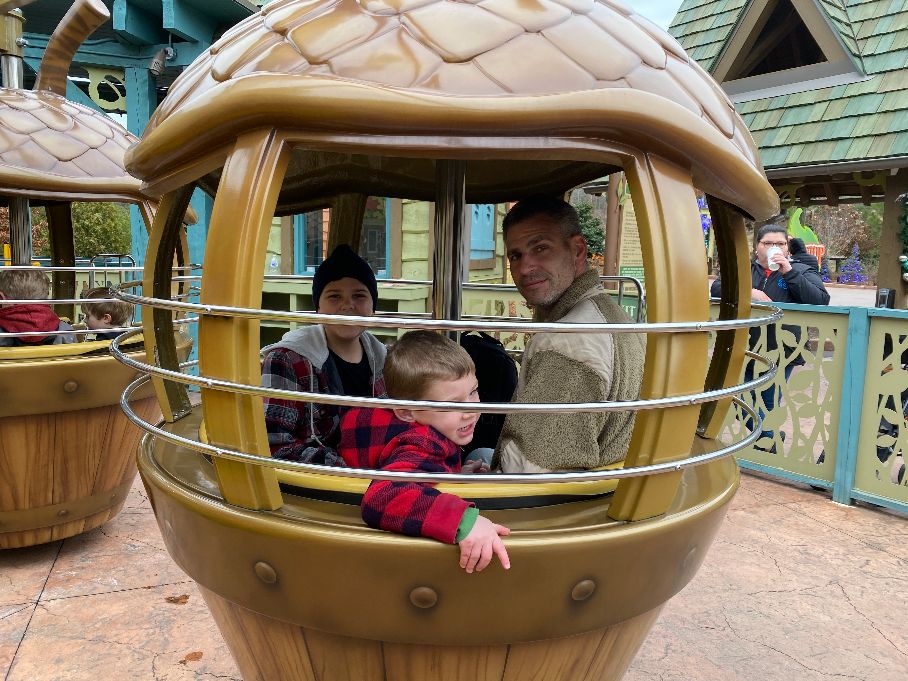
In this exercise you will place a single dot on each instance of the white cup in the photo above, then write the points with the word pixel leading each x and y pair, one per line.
pixel 770 252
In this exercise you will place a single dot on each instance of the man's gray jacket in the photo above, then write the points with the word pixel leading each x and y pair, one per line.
pixel 574 367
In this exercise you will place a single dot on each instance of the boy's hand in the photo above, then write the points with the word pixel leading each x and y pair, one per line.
pixel 477 547
pixel 474 466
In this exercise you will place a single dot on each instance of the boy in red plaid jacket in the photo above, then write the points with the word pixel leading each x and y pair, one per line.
pixel 423 365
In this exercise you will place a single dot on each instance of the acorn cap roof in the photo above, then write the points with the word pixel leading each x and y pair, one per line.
pixel 445 72
pixel 52 148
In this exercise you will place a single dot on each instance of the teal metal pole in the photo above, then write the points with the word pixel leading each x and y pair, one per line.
pixel 141 101
pixel 856 349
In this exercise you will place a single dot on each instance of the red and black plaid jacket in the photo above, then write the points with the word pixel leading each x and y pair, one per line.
pixel 376 438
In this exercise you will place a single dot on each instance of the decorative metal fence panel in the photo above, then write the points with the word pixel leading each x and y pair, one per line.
pixel 801 407
pixel 880 471
pixel 843 411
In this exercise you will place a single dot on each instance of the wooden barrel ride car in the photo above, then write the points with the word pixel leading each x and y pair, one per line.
pixel 321 103
pixel 66 450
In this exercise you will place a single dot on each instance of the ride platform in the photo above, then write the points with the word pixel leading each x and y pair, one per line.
pixel 794 587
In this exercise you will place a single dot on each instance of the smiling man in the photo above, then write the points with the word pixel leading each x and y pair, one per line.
pixel 548 260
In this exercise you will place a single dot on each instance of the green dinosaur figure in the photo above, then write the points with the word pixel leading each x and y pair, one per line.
pixel 797 230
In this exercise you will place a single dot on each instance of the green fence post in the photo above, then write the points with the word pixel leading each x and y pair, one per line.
pixel 852 401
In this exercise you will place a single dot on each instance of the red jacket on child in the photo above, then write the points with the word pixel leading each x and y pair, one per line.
pixel 377 439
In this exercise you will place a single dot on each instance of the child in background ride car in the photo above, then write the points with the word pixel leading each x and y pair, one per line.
pixel 25 317
pixel 105 315
pixel 423 365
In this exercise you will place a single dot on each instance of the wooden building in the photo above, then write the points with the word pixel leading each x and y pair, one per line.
pixel 823 87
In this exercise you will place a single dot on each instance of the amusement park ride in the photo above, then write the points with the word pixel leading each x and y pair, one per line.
pixel 64 443
pixel 322 103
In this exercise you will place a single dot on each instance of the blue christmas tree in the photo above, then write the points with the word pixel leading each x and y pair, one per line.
pixel 706 221
pixel 824 271
pixel 852 270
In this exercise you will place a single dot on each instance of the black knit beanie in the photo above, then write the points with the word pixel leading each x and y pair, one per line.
pixel 343 263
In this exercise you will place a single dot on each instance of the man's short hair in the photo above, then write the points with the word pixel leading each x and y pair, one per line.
pixel 556 209
pixel 24 284
pixel 420 358
pixel 119 310
pixel 776 225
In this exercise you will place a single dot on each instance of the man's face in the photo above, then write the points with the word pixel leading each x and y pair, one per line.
pixel 544 263
pixel 769 240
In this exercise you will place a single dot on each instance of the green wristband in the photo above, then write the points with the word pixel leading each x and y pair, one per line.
pixel 466 524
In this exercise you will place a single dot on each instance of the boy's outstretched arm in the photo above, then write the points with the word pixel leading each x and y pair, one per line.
pixel 412 508
pixel 482 542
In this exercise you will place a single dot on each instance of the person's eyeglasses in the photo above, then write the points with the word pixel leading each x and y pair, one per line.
pixel 770 244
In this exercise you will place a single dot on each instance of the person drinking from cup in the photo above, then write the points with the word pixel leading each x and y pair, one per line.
pixel 776 278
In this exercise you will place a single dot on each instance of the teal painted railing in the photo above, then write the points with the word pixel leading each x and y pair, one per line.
pixel 838 420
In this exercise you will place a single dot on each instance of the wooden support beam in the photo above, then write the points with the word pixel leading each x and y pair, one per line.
pixel 183 19
pixel 136 26
pixel 832 194
pixel 287 244
pixel 890 272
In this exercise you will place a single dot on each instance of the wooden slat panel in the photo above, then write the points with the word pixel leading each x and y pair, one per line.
pixel 264 649
pixel 340 658
pixel 444 663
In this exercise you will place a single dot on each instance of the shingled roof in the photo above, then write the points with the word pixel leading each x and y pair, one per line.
pixel 865 120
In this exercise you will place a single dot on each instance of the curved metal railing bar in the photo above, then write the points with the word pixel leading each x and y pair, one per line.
pixel 487 407
pixel 101 268
pixel 456 325
pixel 497 478
pixel 132 330
pixel 470 286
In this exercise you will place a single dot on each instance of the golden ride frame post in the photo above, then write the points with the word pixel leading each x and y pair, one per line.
pixel 672 242
pixel 229 346
pixel 728 354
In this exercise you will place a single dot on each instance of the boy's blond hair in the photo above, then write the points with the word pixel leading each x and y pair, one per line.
pixel 119 310
pixel 418 359
pixel 24 284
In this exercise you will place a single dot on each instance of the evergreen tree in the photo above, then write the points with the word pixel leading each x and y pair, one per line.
pixel 591 228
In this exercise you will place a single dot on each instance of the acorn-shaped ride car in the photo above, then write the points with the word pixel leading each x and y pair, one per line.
pixel 318 103
pixel 66 450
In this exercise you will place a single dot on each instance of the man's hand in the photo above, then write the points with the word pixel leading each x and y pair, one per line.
pixel 474 466
pixel 760 296
pixel 477 547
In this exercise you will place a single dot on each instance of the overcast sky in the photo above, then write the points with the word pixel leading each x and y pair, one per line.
pixel 659 11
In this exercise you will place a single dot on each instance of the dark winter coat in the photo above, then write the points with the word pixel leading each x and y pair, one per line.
pixel 802 285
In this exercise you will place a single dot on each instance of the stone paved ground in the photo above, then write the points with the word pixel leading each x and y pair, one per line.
pixel 795 588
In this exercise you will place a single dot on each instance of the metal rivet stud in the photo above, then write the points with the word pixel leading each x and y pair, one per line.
pixel 70 386
pixel 424 597
pixel 265 572
pixel 63 513
pixel 583 590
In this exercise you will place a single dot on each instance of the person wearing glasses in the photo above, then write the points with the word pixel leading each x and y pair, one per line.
pixel 776 278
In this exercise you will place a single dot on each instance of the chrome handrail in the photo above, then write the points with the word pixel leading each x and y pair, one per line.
pixel 85 332
pixel 456 325
pixel 487 407
pixel 497 478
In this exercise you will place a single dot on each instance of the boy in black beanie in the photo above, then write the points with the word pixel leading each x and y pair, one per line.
pixel 329 358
